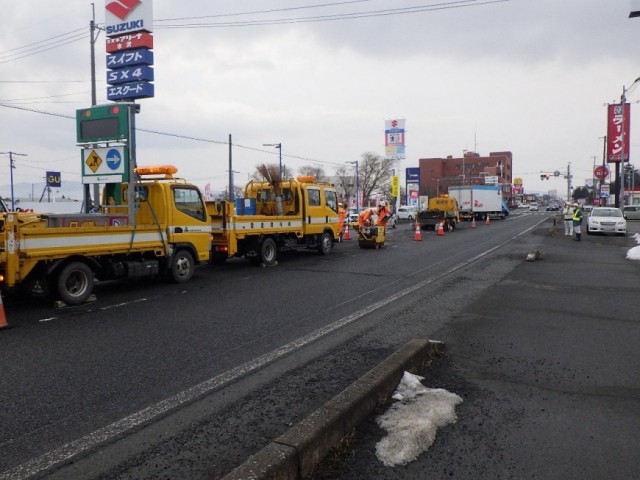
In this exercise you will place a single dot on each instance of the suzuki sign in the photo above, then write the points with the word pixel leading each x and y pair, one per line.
pixel 128 16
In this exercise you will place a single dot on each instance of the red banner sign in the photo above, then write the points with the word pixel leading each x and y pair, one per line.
pixel 130 41
pixel 618 124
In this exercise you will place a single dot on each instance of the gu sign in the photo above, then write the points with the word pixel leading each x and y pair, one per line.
pixel 128 16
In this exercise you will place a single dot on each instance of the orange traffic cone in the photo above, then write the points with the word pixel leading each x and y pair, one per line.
pixel 473 222
pixel 418 235
pixel 487 221
pixel 441 228
pixel 347 235
pixel 3 317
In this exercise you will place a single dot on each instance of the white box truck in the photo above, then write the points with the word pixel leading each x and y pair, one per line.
pixel 479 201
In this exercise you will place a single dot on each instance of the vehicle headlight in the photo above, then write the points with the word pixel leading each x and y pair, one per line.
pixel 621 222
pixel 595 222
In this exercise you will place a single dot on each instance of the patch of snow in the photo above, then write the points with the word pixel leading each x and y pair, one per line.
pixel 412 422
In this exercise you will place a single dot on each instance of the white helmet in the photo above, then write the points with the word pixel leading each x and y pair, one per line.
pixel 383 203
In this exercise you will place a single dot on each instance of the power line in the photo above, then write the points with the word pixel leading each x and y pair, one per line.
pixel 343 16
pixel 177 135
pixel 255 12
pixel 7 57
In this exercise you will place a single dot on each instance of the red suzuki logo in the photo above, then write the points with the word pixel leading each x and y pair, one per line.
pixel 394 123
pixel 122 8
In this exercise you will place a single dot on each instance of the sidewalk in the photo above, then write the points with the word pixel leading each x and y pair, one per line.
pixel 547 364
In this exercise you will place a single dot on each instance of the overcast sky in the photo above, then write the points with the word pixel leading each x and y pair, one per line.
pixel 528 76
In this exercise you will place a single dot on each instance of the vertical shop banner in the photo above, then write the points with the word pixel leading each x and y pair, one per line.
pixel 618 123
pixel 413 186
pixel 394 139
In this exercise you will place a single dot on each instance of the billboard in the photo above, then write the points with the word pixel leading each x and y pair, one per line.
pixel 618 122
pixel 394 139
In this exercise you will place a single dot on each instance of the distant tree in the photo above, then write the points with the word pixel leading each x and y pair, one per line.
pixel 346 183
pixel 583 193
pixel 312 171
pixel 375 174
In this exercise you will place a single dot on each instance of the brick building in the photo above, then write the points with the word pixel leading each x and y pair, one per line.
pixel 437 174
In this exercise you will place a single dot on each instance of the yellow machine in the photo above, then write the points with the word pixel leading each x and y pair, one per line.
pixel 269 219
pixel 370 237
pixel 64 254
pixel 442 209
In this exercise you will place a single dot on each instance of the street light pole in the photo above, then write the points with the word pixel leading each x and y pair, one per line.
pixel 279 147
pixel 357 186
pixel 11 167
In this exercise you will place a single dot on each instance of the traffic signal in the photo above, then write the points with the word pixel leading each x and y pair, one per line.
pixel 544 177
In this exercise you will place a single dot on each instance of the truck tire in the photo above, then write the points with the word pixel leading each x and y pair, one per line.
pixel 182 266
pixel 326 244
pixel 268 251
pixel 74 283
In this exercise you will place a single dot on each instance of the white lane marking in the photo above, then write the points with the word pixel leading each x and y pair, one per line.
pixel 106 307
pixel 117 429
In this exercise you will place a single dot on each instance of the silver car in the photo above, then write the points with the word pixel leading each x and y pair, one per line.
pixel 632 212
pixel 606 220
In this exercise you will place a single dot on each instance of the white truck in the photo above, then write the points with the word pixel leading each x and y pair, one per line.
pixel 479 201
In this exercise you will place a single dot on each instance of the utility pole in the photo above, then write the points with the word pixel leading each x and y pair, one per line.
pixel 230 172
pixel 93 37
pixel 11 167
pixel 569 182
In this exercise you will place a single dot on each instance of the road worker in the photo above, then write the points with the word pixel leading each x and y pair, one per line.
pixel 567 212
pixel 383 214
pixel 342 214
pixel 364 219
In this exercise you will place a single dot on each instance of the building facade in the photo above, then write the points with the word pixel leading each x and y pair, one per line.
pixel 438 174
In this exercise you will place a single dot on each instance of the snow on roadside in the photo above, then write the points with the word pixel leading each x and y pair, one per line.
pixel 412 422
pixel 634 253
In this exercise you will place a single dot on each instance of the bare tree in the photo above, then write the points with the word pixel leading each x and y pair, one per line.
pixel 346 183
pixel 375 175
pixel 312 171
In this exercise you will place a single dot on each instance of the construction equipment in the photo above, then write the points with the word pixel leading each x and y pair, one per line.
pixel 440 209
pixel 275 217
pixel 370 237
pixel 65 254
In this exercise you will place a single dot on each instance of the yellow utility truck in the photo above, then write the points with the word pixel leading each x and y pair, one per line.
pixel 442 209
pixel 64 254
pixel 271 218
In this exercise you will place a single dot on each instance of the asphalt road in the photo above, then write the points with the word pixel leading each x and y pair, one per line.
pixel 158 380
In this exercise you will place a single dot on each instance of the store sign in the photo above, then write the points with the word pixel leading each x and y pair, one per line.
pixel 618 126
pixel 128 16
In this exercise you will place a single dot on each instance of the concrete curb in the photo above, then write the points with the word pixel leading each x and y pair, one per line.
pixel 295 454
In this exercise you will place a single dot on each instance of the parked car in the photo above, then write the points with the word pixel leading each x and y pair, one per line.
pixel 631 212
pixel 606 220
pixel 407 213
pixel 533 207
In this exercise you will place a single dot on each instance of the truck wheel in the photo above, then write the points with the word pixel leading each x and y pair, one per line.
pixel 74 283
pixel 182 266
pixel 268 251
pixel 326 244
